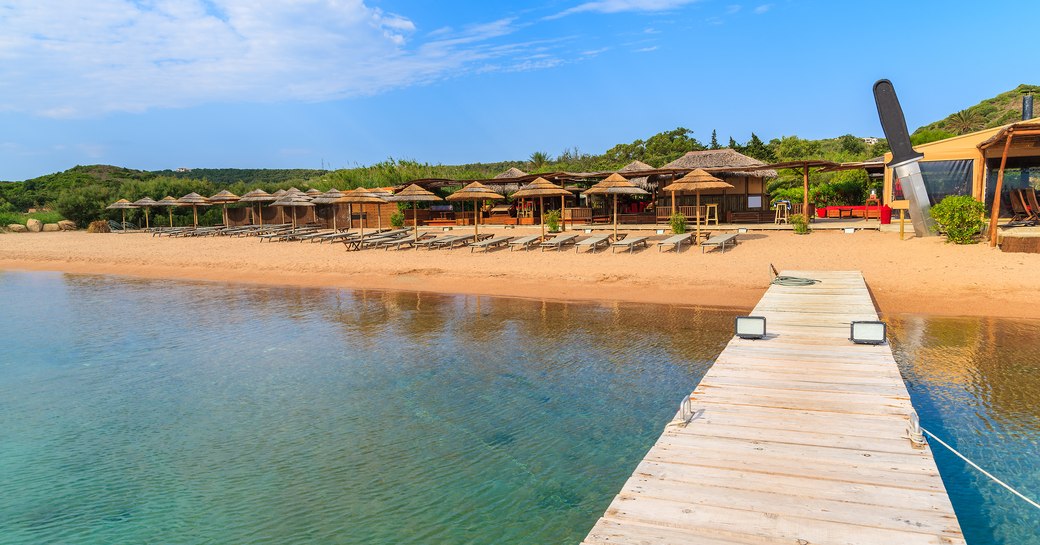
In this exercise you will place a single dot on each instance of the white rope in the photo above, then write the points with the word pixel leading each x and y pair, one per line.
pixel 983 471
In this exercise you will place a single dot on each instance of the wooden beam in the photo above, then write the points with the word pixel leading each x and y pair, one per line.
pixel 996 193
pixel 805 192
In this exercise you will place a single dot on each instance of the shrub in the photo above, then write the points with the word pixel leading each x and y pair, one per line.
pixel 800 224
pixel 960 217
pixel 678 223
pixel 99 226
pixel 552 220
pixel 397 219
pixel 84 205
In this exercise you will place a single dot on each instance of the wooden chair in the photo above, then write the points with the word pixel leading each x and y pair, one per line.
pixel 1031 204
pixel 1019 211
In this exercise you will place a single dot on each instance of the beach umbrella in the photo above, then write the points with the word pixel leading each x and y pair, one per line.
pixel 224 197
pixel 475 192
pixel 257 196
pixel 277 195
pixel 146 203
pixel 414 194
pixel 313 192
pixel 615 185
pixel 121 204
pixel 362 195
pixel 194 200
pixel 333 197
pixel 384 194
pixel 294 200
pixel 169 202
pixel 541 188
pixel 696 180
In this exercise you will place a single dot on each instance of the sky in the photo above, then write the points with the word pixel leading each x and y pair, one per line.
pixel 156 84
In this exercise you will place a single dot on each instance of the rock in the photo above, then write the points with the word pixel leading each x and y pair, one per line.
pixel 34 225
pixel 67 225
pixel 16 228
pixel 51 227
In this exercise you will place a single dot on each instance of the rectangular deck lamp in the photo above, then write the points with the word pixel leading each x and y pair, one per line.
pixel 750 327
pixel 868 332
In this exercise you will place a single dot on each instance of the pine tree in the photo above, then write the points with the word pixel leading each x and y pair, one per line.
pixel 714 141
pixel 733 144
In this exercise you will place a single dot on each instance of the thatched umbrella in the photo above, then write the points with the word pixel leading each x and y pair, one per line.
pixel 146 203
pixel 384 194
pixel 362 195
pixel 541 188
pixel 169 202
pixel 475 192
pixel 224 197
pixel 415 194
pixel 615 185
pixel 333 197
pixel 194 200
pixel 313 192
pixel 257 196
pixel 696 180
pixel 121 204
pixel 293 200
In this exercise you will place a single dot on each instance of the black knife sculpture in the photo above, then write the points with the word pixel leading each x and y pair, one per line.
pixel 904 158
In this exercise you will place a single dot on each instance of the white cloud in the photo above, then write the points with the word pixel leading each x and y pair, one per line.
pixel 77 58
pixel 763 8
pixel 621 6
pixel 732 9
pixel 646 49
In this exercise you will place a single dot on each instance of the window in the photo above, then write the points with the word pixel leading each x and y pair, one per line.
pixel 754 201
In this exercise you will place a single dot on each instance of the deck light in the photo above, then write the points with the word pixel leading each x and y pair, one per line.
pixel 868 332
pixel 751 327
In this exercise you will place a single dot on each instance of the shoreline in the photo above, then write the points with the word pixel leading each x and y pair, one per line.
pixel 916 276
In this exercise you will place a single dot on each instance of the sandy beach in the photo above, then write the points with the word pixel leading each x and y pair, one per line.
pixel 916 276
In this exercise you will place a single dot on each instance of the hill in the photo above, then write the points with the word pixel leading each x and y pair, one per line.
pixel 993 112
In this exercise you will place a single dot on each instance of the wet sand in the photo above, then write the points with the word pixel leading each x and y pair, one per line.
pixel 916 276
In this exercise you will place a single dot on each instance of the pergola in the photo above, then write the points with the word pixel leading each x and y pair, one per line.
pixel 805 166
pixel 1018 135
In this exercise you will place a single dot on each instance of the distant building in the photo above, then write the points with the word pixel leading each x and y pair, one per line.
pixel 870 140
pixel 183 169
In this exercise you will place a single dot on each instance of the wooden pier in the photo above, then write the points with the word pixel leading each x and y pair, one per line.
pixel 799 438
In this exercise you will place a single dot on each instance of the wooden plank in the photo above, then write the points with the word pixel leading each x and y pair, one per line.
pixel 797 438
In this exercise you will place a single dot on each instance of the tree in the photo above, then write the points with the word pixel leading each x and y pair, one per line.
pixel 852 144
pixel 792 148
pixel 84 205
pixel 733 144
pixel 714 141
pixel 965 121
pixel 758 149
pixel 929 135
pixel 539 159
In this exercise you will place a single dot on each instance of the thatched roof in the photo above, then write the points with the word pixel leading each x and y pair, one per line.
pixel 121 203
pixel 615 184
pixel 313 192
pixel 167 201
pixel 146 201
pixel 541 188
pixel 362 195
pixel 224 196
pixel 293 199
pixel 697 180
pixel 414 193
pixel 257 195
pixel 723 161
pixel 475 191
pixel 194 199
pixel 513 172
pixel 331 196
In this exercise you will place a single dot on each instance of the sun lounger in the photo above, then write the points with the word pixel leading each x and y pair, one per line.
pixel 460 240
pixel 719 241
pixel 444 241
pixel 372 242
pixel 405 241
pixel 592 243
pixel 558 242
pixel 675 241
pixel 489 243
pixel 524 243
pixel 628 243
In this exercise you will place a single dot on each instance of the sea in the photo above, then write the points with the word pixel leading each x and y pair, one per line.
pixel 156 411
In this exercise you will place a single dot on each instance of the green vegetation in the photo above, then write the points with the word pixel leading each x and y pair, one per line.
pixel 960 217
pixel 678 223
pixel 552 220
pixel 993 112
pixel 800 224
pixel 7 218
pixel 397 219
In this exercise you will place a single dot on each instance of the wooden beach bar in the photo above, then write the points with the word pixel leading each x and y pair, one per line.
pixel 797 438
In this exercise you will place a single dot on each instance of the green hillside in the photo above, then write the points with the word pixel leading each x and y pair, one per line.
pixel 993 112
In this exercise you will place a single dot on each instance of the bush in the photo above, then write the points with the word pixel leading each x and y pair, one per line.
pixel 678 223
pixel 960 217
pixel 84 205
pixel 800 224
pixel 397 219
pixel 99 226
pixel 552 220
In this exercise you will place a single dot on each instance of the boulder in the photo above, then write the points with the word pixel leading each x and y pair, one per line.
pixel 34 225
pixel 16 228
pixel 67 225
pixel 51 227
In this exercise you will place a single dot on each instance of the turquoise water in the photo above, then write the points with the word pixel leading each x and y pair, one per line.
pixel 165 412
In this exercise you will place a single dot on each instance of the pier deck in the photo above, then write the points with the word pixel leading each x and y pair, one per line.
pixel 799 438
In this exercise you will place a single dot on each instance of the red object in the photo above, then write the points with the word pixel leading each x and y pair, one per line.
pixel 886 215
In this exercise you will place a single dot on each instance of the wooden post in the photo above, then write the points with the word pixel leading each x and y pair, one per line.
pixel 541 214
pixel 805 192
pixel 195 214
pixel 415 220
pixel 996 191
pixel 697 212
pixel 615 217
pixel 563 216
pixel 902 223
pixel 476 231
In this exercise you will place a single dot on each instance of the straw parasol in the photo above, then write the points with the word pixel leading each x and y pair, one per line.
pixel 541 188
pixel 121 204
pixel 615 185
pixel 293 200
pixel 362 195
pixel 313 192
pixel 696 180
pixel 194 200
pixel 475 192
pixel 333 197
pixel 146 203
pixel 169 202
pixel 415 194
pixel 258 196
pixel 384 194
pixel 224 197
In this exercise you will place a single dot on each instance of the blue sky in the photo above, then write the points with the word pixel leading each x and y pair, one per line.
pixel 155 84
